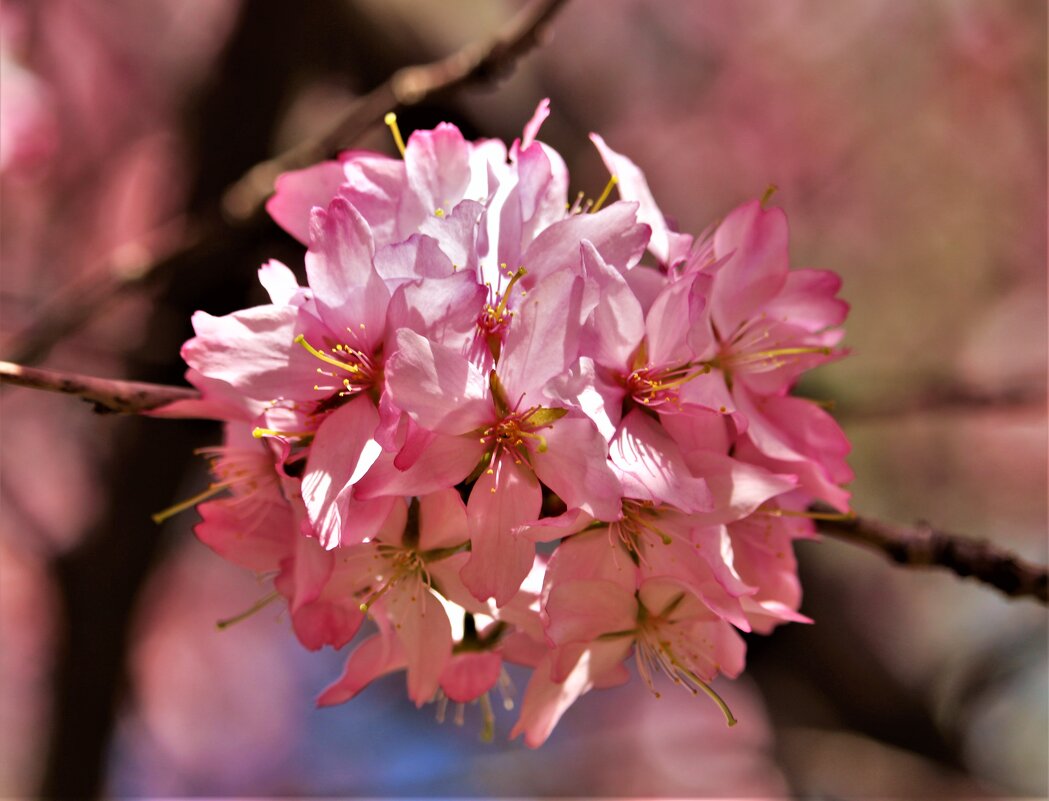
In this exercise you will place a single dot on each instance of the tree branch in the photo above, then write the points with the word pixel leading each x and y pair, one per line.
pixel 925 546
pixel 242 202
pixel 917 546
pixel 107 394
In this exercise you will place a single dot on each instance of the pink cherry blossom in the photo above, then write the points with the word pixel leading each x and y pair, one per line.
pixel 475 368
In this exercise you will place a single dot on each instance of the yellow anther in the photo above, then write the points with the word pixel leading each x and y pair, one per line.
pixel 772 189
pixel 438 212
pixel 391 122
pixel 604 195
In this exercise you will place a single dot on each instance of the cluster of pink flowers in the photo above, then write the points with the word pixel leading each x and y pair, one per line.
pixel 503 427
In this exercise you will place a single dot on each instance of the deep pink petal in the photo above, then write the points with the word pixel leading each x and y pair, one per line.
pixel 546 700
pixel 256 536
pixel 467 676
pixel 808 300
pixel 376 656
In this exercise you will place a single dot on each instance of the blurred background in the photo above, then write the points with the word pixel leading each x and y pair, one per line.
pixel 908 142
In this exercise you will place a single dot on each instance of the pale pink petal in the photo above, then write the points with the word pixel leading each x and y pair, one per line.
pixel 442 520
pixel 501 501
pixel 416 257
pixel 342 452
pixel 297 192
pixel 375 185
pixel 445 462
pixel 423 629
pixel 279 282
pixel 757 269
pixel 436 385
pixel 350 295
pixel 652 468
pixel 738 488
pixel 438 165
pixel 456 232
pixel 544 337
pixel 545 700
pixel 575 466
pixel 531 129
pixel 254 352
pixel 582 610
pixel 666 245
pixel 670 319
pixel 444 310
pixel 614 231
pixel 616 323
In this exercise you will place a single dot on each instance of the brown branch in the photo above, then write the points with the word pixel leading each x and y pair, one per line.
pixel 107 394
pixel 925 546
pixel 242 202
pixel 945 399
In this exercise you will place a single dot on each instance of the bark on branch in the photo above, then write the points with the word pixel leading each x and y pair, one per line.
pixel 107 394
pixel 242 202
pixel 925 546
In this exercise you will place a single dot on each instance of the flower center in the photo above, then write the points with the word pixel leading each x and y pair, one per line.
pixel 659 386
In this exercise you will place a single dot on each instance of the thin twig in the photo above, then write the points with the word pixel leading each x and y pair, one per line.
pixel 242 202
pixel 924 546
pixel 107 394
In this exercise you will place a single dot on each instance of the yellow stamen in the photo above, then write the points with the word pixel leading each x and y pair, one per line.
pixel 604 195
pixel 259 433
pixel 260 604
pixel 836 516
pixel 717 699
pixel 324 357
pixel 391 122
pixel 189 503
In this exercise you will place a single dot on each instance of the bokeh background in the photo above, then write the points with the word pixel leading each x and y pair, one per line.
pixel 908 142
